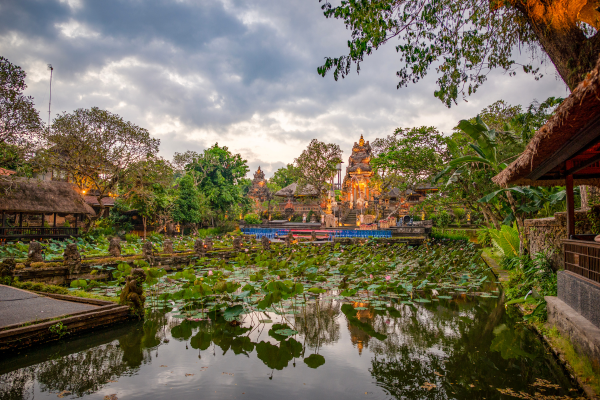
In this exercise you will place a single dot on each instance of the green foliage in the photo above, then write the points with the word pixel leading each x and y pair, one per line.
pixel 449 234
pixel 59 329
pixel 316 165
pixel 484 236
pixel 219 174
pixel 506 240
pixel 188 207
pixel 252 219
pixel 284 176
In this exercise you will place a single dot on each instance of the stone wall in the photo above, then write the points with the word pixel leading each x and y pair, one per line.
pixel 544 235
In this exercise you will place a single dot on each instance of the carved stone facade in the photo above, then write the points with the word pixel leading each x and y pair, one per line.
pixel 148 252
pixel 259 189
pixel 199 248
pixel 208 244
pixel 266 243
pixel 358 175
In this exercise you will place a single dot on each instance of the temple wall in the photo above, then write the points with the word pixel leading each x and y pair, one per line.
pixel 544 235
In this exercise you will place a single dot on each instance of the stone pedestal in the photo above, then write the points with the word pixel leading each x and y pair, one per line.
pixel 35 252
pixel 114 247
pixel 168 246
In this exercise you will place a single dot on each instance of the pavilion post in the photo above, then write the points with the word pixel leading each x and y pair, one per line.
pixel 76 218
pixel 20 220
pixel 570 203
pixel 54 220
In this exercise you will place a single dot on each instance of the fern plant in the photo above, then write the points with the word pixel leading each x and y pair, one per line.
pixel 506 240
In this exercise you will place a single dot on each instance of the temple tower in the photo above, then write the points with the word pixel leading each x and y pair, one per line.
pixel 358 174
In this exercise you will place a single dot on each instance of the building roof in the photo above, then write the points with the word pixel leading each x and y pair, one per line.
pixel 6 172
pixel 571 134
pixel 290 191
pixel 36 196
pixel 93 201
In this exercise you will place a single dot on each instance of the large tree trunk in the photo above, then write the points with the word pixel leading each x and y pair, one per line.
pixel 556 28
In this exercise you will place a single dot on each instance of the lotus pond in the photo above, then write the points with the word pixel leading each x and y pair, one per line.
pixel 367 321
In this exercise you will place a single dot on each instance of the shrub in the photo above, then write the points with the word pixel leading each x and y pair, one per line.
pixel 252 219
pixel 452 235
pixel 506 240
pixel 484 236
pixel 131 237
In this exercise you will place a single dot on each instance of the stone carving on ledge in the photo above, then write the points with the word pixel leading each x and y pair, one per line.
pixel 114 247
pixel 313 236
pixel 148 252
pixel 289 239
pixel 266 243
pixel 132 294
pixel 35 252
pixel 199 247
pixel 72 258
pixel 168 246
pixel 208 244
pixel 237 243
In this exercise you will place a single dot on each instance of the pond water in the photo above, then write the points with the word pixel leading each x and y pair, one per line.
pixel 460 348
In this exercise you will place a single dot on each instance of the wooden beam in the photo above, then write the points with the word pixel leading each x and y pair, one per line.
pixel 55 220
pixel 584 164
pixel 570 203
pixel 20 220
pixel 586 136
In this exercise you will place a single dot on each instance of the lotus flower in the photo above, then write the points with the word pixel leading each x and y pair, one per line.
pixel 434 292
pixel 210 273
pixel 387 278
pixel 371 276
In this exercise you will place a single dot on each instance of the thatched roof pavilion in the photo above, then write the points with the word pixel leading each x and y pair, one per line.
pixel 566 151
pixel 568 144
pixel 291 191
pixel 20 196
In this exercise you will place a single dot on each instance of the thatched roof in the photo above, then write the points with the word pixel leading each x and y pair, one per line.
pixel 35 196
pixel 93 201
pixel 562 138
pixel 290 191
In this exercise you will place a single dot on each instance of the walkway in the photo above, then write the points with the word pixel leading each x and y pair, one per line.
pixel 20 306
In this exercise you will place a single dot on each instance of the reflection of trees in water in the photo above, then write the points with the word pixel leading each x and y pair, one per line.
pixel 87 371
pixel 464 341
pixel 317 322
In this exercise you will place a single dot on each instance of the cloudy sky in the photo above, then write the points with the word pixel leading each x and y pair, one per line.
pixel 242 73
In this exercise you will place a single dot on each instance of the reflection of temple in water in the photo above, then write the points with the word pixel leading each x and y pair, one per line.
pixel 359 338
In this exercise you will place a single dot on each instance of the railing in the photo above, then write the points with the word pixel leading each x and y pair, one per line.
pixel 582 258
pixel 331 234
pixel 38 231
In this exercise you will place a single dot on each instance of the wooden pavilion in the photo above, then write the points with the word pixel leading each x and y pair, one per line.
pixel 34 209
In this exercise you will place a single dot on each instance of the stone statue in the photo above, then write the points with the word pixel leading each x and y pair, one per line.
pixel 7 267
pixel 266 243
pixel 313 236
pixel 114 247
pixel 329 221
pixel 132 294
pixel 208 244
pixel 303 218
pixel 72 258
pixel 35 252
pixel 168 246
pixel 289 239
pixel 148 252
pixel 313 218
pixel 237 243
pixel 199 248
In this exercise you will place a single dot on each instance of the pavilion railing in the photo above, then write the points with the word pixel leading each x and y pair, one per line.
pixel 38 231
pixel 582 258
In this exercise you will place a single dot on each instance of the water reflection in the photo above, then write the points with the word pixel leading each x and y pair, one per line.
pixel 461 348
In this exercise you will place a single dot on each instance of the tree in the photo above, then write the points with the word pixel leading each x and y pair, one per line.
pixel 189 206
pixel 317 165
pixel 146 188
pixel 94 149
pixel 284 176
pixel 218 174
pixel 466 39
pixel 414 154
pixel 19 120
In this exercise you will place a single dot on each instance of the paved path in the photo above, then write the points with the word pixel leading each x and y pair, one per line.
pixel 19 306
pixel 500 273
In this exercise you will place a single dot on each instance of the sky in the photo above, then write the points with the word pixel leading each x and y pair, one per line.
pixel 240 73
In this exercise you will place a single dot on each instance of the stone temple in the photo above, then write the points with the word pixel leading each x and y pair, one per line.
pixel 355 186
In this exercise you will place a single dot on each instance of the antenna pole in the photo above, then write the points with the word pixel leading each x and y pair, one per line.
pixel 50 101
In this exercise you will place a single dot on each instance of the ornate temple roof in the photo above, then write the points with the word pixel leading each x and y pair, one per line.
pixel 359 161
